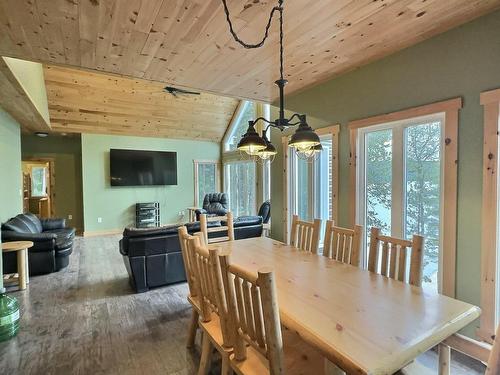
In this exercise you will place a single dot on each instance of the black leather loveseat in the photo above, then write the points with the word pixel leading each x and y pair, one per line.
pixel 153 256
pixel 53 243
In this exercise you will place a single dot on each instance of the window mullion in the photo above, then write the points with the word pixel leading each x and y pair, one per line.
pixel 398 182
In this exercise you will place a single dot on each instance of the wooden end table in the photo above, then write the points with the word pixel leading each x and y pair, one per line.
pixel 21 247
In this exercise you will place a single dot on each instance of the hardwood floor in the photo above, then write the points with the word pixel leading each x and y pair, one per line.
pixel 85 319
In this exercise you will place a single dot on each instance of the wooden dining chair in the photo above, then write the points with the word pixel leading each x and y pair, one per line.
pixel 191 276
pixel 391 257
pixel 342 244
pixel 305 235
pixel 260 345
pixel 214 315
pixel 228 228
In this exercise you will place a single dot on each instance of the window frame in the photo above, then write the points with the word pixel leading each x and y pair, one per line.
pixel 490 100
pixel 196 164
pixel 333 131
pixel 450 109
pixel 398 165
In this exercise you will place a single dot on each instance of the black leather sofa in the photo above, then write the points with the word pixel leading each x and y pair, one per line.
pixel 53 243
pixel 214 204
pixel 153 256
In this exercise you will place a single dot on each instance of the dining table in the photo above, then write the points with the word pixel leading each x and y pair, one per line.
pixel 362 322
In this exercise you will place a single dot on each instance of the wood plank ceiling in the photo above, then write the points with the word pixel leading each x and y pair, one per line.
pixel 90 102
pixel 187 43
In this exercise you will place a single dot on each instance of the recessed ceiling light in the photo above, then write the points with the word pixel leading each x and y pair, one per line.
pixel 42 134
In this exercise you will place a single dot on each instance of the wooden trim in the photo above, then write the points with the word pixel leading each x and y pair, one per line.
pixel 334 130
pixel 95 233
pixel 286 188
pixel 428 109
pixel 488 97
pixel 449 209
pixel 353 165
pixel 489 217
pixel 473 348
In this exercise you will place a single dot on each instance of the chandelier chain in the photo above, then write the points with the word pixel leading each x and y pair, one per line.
pixel 278 8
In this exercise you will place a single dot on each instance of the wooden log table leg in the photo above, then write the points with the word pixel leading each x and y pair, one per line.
pixel 21 268
pixel 444 359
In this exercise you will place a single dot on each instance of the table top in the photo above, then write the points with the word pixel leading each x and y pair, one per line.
pixel 364 322
pixel 16 245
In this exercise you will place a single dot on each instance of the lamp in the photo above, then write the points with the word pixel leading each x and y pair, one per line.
pixel 269 152
pixel 305 141
pixel 251 142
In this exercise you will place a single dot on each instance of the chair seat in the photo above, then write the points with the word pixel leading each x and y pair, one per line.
pixel 214 331
pixel 299 358
pixel 195 302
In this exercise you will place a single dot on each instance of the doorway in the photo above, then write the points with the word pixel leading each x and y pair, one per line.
pixel 38 187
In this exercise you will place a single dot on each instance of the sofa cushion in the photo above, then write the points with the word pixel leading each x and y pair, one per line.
pixel 146 232
pixel 244 221
pixel 216 203
pixel 22 224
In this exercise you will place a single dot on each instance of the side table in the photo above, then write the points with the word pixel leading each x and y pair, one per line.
pixel 21 247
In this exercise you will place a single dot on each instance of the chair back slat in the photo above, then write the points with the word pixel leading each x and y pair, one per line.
pixel 305 235
pixel 342 244
pixel 228 228
pixel 389 257
pixel 211 288
pixel 184 238
pixel 253 306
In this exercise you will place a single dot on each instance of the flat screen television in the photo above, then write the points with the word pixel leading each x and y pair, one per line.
pixel 142 168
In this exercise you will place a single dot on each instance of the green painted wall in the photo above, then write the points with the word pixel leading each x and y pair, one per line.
pixel 116 205
pixel 10 167
pixel 30 76
pixel 462 62
pixel 67 155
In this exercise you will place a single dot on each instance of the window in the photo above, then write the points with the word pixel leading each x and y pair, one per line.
pixel 206 177
pixel 401 164
pixel 401 168
pixel 312 184
pixel 38 181
pixel 244 113
pixel 239 184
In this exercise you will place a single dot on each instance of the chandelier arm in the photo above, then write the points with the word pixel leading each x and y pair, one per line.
pixel 263 119
pixel 266 34
pixel 295 115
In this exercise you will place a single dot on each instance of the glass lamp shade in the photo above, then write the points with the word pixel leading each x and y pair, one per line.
pixel 304 137
pixel 251 142
pixel 311 152
pixel 269 151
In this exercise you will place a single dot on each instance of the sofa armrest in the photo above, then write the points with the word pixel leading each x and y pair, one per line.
pixel 8 235
pixel 51 224
pixel 41 241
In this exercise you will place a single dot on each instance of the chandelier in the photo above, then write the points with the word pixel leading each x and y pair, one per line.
pixel 304 141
